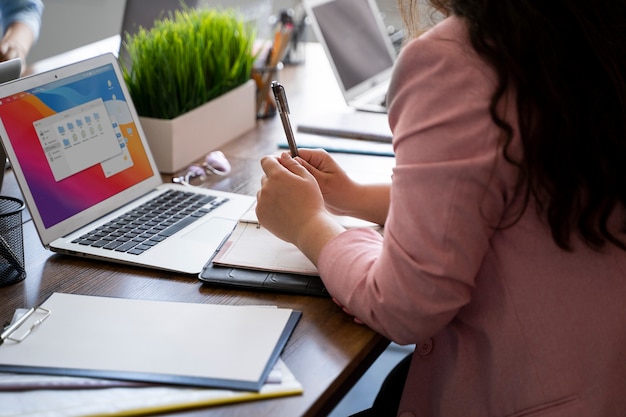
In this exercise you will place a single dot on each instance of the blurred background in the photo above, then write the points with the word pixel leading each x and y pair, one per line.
pixel 68 24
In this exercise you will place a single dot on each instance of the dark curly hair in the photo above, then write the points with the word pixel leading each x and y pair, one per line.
pixel 566 61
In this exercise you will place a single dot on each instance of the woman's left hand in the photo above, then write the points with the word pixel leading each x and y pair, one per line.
pixel 288 197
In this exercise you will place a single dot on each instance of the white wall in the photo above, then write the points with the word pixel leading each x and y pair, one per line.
pixel 68 24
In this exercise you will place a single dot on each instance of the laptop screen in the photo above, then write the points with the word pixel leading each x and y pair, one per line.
pixel 354 38
pixel 74 140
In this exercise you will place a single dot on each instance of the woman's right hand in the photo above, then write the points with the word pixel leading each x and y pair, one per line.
pixel 336 186
pixel 342 195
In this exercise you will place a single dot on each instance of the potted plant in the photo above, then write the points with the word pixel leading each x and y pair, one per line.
pixel 190 79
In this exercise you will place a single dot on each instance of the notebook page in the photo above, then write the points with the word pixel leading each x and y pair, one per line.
pixel 252 246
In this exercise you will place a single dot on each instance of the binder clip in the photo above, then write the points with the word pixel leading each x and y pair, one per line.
pixel 9 331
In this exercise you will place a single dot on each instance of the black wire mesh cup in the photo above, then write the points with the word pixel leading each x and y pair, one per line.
pixel 11 241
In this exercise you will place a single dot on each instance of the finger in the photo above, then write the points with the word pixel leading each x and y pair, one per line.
pixel 292 165
pixel 9 52
pixel 313 170
pixel 315 157
pixel 269 163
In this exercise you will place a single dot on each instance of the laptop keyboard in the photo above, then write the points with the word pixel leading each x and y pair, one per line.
pixel 152 222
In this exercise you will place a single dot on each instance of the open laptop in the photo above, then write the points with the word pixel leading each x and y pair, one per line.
pixel 358 47
pixel 80 157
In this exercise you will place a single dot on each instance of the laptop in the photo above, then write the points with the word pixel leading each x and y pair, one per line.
pixel 358 48
pixel 81 159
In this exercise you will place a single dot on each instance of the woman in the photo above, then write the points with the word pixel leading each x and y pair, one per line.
pixel 504 255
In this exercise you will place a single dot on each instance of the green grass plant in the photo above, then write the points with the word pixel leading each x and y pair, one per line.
pixel 187 59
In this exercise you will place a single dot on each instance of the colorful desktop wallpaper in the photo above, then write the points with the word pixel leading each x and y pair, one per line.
pixel 75 141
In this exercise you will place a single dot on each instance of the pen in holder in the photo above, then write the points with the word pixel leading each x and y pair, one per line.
pixel 297 18
pixel 11 241
pixel 267 69
pixel 263 76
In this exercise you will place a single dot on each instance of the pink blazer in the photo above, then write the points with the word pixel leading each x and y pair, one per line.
pixel 505 322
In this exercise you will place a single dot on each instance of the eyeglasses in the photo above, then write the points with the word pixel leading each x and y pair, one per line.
pixel 214 163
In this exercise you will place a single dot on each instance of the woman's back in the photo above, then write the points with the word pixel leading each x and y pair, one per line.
pixel 543 327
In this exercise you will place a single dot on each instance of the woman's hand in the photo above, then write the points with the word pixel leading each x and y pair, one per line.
pixel 342 195
pixel 336 186
pixel 290 205
pixel 17 41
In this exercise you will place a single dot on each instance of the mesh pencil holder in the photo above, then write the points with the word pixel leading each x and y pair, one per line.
pixel 11 241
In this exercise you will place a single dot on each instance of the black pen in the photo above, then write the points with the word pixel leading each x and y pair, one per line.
pixel 283 111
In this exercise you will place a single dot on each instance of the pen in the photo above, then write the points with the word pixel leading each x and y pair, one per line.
pixel 283 111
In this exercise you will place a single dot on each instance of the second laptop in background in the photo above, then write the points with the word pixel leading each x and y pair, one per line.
pixel 361 55
pixel 358 48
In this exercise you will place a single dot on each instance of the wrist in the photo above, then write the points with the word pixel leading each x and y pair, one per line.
pixel 368 202
pixel 315 233
pixel 346 202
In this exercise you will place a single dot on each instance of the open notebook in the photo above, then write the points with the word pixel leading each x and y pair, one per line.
pixel 81 160
pixel 252 257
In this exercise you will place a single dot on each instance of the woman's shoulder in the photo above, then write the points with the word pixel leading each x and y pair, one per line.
pixel 442 57
pixel 448 39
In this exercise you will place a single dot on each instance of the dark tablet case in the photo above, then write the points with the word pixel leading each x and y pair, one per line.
pixel 263 280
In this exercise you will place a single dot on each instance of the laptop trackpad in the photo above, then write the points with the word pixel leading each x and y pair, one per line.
pixel 215 228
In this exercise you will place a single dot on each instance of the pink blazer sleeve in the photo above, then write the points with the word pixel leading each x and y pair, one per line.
pixel 450 190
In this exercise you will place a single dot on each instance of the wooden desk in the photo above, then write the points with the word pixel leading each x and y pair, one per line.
pixel 328 352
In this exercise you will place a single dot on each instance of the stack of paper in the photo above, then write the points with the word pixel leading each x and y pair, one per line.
pixel 161 352
pixel 55 402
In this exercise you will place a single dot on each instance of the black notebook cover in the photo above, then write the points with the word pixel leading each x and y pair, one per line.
pixel 271 281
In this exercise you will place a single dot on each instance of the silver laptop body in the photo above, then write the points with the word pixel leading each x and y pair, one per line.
pixel 80 157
